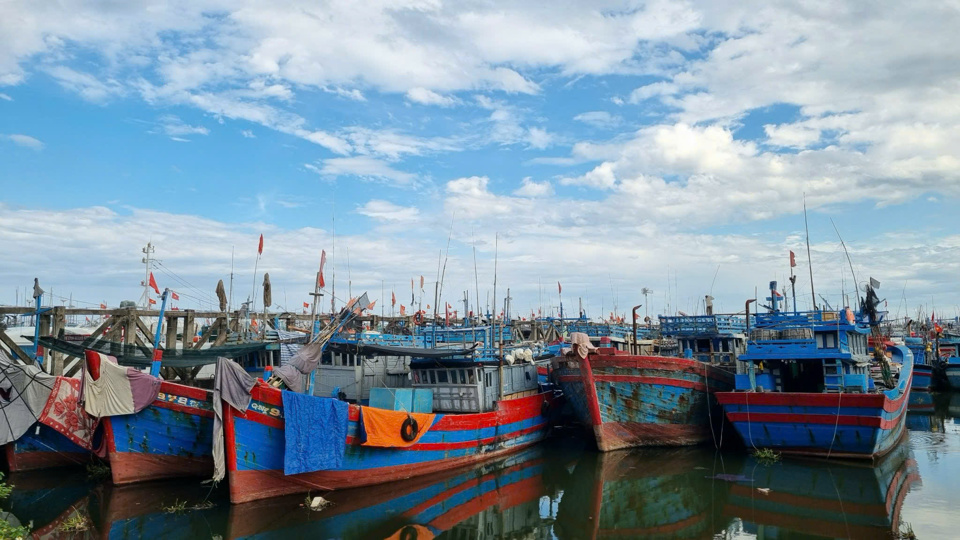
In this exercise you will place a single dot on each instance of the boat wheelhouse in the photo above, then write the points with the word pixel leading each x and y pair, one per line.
pixel 922 367
pixel 804 385
pixel 714 339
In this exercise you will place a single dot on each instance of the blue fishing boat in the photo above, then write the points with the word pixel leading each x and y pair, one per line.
pixel 948 352
pixel 635 400
pixel 712 338
pixel 804 384
pixel 922 365
pixel 458 412
pixel 42 447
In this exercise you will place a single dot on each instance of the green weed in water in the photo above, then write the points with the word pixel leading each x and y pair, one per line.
pixel 178 507
pixel 766 456
pixel 8 530
pixel 97 471
pixel 5 489
pixel 75 523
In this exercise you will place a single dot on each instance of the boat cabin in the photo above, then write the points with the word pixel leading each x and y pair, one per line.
pixel 714 339
pixel 468 387
pixel 813 351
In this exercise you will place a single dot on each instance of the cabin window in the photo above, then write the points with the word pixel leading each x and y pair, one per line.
pixel 724 345
pixel 463 376
pixel 826 340
pixel 326 359
pixel 442 376
pixel 528 375
pixel 486 379
pixel 473 376
pixel 416 377
pixel 433 377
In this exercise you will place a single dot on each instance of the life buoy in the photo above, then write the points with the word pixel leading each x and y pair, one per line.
pixel 409 429
pixel 418 318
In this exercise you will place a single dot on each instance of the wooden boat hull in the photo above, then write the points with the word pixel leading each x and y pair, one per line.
pixel 42 447
pixel 841 425
pixel 632 401
pixel 170 438
pixel 922 377
pixel 254 444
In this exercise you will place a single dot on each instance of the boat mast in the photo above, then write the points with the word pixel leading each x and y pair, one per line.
pixel 806 227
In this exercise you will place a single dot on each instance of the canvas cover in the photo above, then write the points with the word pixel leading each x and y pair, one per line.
pixel 381 427
pixel 24 391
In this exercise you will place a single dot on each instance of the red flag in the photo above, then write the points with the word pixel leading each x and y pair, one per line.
pixel 403 310
pixel 323 261
pixel 421 282
pixel 793 259
pixel 103 306
pixel 370 307
pixel 151 300
pixel 393 299
pixel 559 288
pixel 174 295
pixel 306 304
pixel 153 283
pixel 260 247
pixel 446 314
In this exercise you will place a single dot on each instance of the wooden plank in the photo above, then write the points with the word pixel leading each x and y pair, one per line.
pixel 172 323
pixel 15 349
pixel 222 334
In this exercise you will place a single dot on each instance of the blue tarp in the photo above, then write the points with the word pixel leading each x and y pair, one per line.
pixel 315 431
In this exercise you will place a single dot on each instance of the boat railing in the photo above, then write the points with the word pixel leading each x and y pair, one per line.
pixel 692 325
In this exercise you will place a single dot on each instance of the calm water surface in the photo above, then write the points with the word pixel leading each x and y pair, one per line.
pixel 561 489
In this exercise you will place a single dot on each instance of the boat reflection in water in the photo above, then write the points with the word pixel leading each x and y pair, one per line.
pixel 830 499
pixel 499 499
pixel 44 499
pixel 650 493
pixel 920 402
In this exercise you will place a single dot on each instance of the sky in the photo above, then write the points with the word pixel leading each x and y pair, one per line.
pixel 607 146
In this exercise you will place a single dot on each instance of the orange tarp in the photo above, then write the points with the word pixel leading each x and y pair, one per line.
pixel 382 427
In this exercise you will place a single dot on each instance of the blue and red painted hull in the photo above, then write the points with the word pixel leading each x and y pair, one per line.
pixel 922 377
pixel 842 425
pixel 42 447
pixel 170 438
pixel 951 368
pixel 255 440
pixel 632 401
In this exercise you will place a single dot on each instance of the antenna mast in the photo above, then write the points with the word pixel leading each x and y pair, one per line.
pixel 147 252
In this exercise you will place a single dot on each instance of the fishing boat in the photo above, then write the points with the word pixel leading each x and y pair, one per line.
pixel 42 447
pixel 458 412
pixel 922 367
pixel 804 386
pixel 948 351
pixel 171 437
pixel 632 400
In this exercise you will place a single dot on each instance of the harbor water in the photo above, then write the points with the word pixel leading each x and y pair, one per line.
pixel 560 489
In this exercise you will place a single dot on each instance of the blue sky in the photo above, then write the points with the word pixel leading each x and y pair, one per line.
pixel 608 145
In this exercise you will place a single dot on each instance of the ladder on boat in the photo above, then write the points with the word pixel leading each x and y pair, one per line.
pixel 832 375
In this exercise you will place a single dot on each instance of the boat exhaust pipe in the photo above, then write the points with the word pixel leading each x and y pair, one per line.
pixel 635 346
pixel 746 308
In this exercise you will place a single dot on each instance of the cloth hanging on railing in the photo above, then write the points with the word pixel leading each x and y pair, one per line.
pixel 118 390
pixel 231 383
pixel 65 413
pixel 315 432
pixel 384 428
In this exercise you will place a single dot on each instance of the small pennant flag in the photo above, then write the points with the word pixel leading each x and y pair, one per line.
pixel 152 301
pixel 393 299
pixel 260 247
pixel 306 305
pixel 559 288
pixel 793 259
pixel 403 310
pixel 103 306
pixel 174 295
pixel 421 282
pixel 153 283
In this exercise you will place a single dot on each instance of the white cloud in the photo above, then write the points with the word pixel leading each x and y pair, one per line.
pixel 88 86
pixel 176 129
pixel 539 138
pixel 365 167
pixel 598 119
pixel 5 97
pixel 424 96
pixel 533 189
pixel 791 135
pixel 24 140
pixel 386 211
pixel 248 134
